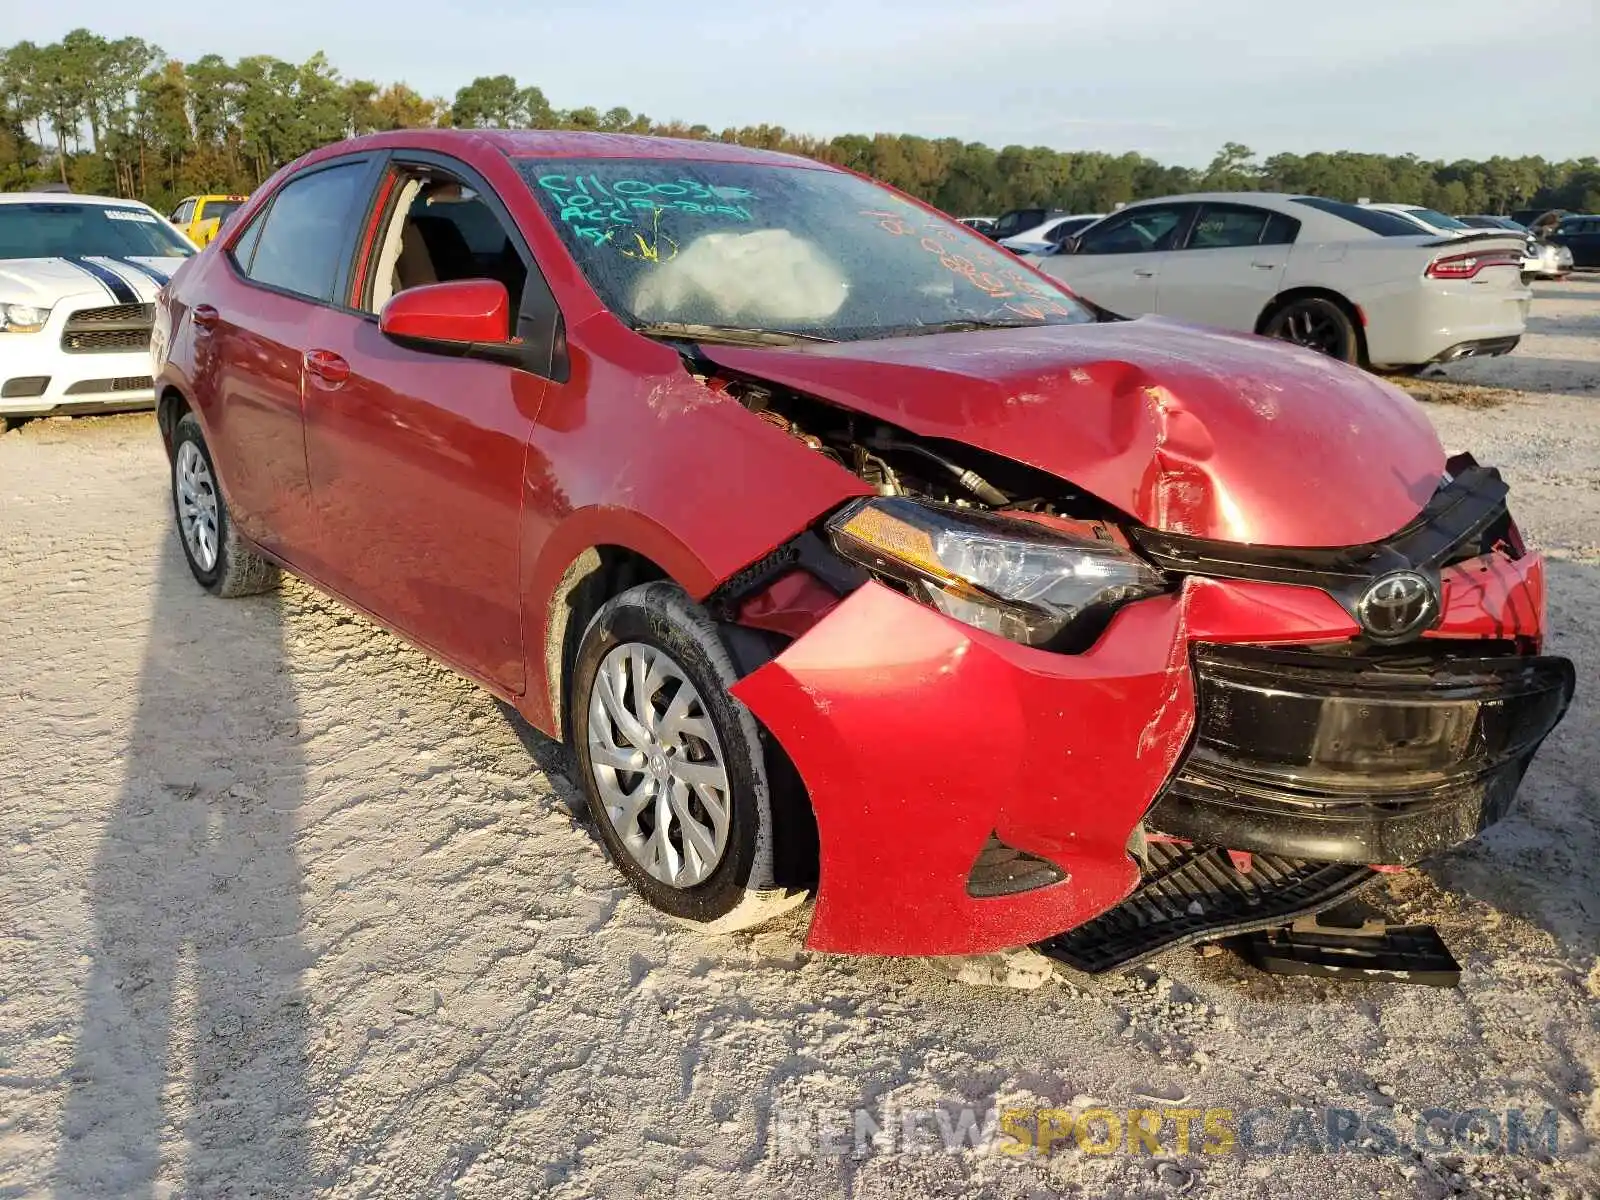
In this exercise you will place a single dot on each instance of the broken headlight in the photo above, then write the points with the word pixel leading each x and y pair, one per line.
pixel 1016 578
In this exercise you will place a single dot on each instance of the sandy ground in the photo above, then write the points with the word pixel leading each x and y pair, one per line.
pixel 286 909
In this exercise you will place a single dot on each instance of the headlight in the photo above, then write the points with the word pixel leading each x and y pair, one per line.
pixel 22 318
pixel 1014 578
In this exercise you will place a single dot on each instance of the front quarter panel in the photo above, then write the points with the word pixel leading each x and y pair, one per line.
pixel 917 737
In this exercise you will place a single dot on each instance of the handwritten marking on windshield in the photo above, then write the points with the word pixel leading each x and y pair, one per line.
pixel 1022 295
pixel 598 211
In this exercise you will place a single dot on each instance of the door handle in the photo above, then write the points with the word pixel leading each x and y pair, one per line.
pixel 1143 272
pixel 1260 266
pixel 326 366
pixel 205 317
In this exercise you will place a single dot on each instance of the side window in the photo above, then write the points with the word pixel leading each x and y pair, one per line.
pixel 245 248
pixel 1281 230
pixel 441 230
pixel 1220 227
pixel 303 233
pixel 1135 231
pixel 184 213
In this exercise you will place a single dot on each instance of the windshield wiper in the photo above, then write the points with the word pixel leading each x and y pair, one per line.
pixel 962 326
pixel 725 333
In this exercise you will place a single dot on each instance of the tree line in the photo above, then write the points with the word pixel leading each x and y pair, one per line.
pixel 119 116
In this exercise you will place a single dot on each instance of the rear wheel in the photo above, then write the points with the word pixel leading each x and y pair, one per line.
pixel 218 557
pixel 1317 324
pixel 672 766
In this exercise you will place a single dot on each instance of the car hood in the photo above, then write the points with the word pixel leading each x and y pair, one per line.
pixel 1187 430
pixel 43 281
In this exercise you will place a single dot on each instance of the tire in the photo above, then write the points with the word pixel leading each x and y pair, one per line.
pixel 718 886
pixel 218 557
pixel 1317 324
pixel 7 424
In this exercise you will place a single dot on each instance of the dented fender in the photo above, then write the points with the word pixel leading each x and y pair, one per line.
pixel 918 737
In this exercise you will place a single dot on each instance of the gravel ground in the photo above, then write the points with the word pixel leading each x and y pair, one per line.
pixel 287 910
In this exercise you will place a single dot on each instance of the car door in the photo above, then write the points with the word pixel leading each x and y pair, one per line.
pixel 250 340
pixel 416 458
pixel 1228 267
pixel 1118 261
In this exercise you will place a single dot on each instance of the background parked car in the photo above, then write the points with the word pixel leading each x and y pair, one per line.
pixel 200 217
pixel 1486 221
pixel 78 275
pixel 1046 237
pixel 1356 282
pixel 1580 235
pixel 1541 260
pixel 981 224
pixel 1020 220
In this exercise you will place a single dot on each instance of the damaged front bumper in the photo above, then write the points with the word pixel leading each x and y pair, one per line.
pixel 972 794
pixel 1354 758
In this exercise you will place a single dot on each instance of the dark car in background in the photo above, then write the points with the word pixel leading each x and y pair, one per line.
pixel 1581 235
pixel 1486 221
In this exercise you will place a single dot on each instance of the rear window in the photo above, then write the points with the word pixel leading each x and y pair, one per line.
pixel 220 210
pixel 1373 220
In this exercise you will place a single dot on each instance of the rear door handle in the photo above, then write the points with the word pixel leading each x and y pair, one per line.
pixel 327 366
pixel 1143 272
pixel 205 317
pixel 1260 266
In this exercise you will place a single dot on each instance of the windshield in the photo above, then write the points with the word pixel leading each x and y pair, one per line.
pixel 52 230
pixel 793 250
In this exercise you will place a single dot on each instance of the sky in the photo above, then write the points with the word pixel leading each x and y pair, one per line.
pixel 1173 79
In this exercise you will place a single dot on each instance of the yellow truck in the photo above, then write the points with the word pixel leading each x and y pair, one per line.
pixel 202 216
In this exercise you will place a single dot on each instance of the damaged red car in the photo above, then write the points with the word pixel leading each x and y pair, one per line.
pixel 851 557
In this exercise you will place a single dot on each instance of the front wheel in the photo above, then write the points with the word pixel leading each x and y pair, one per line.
pixel 219 559
pixel 1317 324
pixel 672 766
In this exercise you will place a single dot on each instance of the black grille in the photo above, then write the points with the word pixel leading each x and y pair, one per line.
pixel 115 314
pixel 1195 894
pixel 122 383
pixel 24 386
pixel 101 341
pixel 113 329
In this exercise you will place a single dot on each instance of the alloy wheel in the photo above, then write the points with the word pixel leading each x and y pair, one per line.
pixel 658 765
pixel 197 505
pixel 1312 328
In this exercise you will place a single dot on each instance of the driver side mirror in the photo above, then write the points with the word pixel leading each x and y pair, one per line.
pixel 465 317
pixel 1069 244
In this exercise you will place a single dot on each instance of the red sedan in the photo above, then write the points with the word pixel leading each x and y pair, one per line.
pixel 851 556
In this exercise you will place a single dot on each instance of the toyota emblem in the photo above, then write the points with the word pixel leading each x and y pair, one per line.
pixel 1396 605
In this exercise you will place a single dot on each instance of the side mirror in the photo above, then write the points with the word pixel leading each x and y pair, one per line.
pixel 1069 244
pixel 463 317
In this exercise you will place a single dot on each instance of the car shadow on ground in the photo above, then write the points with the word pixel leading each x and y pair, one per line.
pixel 189 1072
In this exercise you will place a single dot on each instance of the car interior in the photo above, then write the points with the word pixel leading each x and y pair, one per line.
pixel 443 231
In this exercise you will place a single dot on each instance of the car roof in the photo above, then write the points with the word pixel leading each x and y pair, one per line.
pixel 547 143
pixel 68 198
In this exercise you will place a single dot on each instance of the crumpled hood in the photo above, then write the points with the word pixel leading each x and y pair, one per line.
pixel 1187 430
pixel 44 281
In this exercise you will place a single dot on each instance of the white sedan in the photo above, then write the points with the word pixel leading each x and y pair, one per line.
pixel 1356 283
pixel 78 281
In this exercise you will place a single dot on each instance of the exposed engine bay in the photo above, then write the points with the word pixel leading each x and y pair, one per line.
pixel 895 462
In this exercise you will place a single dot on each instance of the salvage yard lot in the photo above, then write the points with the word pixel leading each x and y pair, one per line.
pixel 291 910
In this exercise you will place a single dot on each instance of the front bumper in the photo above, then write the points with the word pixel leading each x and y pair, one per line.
pixel 40 377
pixel 1355 758
pixel 972 794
